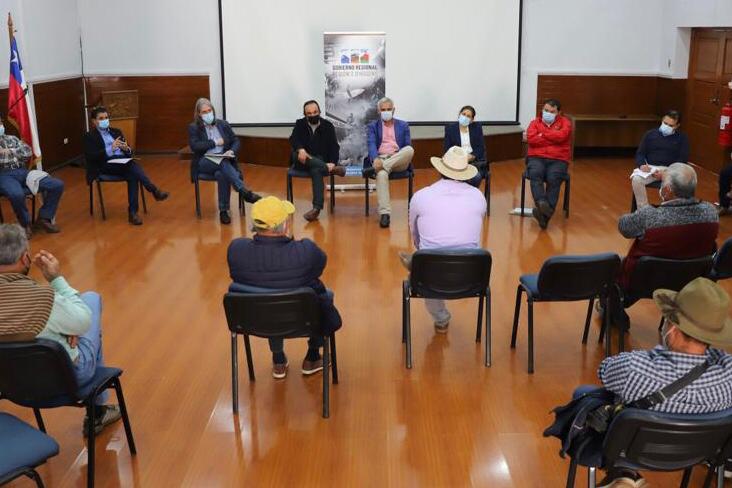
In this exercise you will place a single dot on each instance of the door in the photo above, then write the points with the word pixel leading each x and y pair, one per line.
pixel 710 70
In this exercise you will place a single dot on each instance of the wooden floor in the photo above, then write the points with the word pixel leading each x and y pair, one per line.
pixel 448 422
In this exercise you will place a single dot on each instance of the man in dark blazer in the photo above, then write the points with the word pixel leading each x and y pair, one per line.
pixel 315 149
pixel 215 149
pixel 103 144
pixel 389 144
pixel 475 146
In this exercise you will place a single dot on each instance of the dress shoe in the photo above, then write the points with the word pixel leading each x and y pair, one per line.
pixel 311 367
pixel 160 195
pixel 224 217
pixel 279 370
pixel 545 209
pixel 134 219
pixel 540 217
pixel 369 172
pixel 312 214
pixel 384 221
pixel 249 196
pixel 338 170
pixel 48 226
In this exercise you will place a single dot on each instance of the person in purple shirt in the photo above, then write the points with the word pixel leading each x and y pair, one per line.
pixel 447 214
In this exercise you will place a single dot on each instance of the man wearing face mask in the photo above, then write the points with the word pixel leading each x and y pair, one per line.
pixel 549 138
pixel 389 144
pixel 315 148
pixel 56 312
pixel 14 181
pixel 659 148
pixel 103 144
pixel 682 227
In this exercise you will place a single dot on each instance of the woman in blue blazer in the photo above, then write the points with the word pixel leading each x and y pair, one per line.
pixel 468 134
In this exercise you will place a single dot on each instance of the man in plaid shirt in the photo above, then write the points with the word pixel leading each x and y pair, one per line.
pixel 695 317
pixel 14 157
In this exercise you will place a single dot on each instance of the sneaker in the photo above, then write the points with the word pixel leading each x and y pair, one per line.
pixel 106 415
pixel 540 217
pixel 311 367
pixel 441 327
pixel 622 478
pixel 279 371
pixel 384 221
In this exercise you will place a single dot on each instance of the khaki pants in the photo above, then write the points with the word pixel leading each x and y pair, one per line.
pixel 398 161
pixel 639 187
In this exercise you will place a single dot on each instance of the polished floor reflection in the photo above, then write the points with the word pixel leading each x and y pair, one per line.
pixel 448 422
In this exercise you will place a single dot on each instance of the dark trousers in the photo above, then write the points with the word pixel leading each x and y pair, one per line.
pixel 543 171
pixel 482 170
pixel 134 174
pixel 318 169
pixel 12 185
pixel 277 345
pixel 226 176
pixel 725 184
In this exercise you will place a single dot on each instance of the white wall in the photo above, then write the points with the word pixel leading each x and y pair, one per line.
pixel 152 37
pixel 48 38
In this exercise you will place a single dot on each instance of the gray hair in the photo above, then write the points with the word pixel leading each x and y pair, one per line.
pixel 382 101
pixel 279 228
pixel 13 243
pixel 681 179
pixel 199 105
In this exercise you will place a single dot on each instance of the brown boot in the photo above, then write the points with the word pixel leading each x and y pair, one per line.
pixel 312 215
pixel 338 170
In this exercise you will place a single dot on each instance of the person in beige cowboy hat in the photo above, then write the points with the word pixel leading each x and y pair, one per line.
pixel 447 214
pixel 694 318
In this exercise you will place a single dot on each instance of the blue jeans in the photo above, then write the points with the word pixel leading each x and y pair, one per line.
pixel 226 176
pixel 90 346
pixel 549 171
pixel 134 174
pixel 12 185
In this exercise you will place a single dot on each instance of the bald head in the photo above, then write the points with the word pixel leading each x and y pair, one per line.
pixel 680 179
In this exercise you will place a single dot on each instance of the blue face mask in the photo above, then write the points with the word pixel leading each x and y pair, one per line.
pixel 208 117
pixel 104 124
pixel 387 115
pixel 2 130
pixel 666 130
pixel 464 120
pixel 548 117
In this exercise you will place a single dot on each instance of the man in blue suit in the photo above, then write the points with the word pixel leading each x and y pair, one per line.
pixel 390 149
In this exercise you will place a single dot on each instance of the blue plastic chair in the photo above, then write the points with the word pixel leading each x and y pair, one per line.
pixel 28 195
pixel 567 279
pixel 102 178
pixel 294 172
pixel 394 175
pixel 645 440
pixel 22 449
pixel 722 264
pixel 39 374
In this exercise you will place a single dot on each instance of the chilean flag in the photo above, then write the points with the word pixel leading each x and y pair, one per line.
pixel 20 106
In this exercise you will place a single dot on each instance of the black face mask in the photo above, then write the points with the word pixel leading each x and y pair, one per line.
pixel 313 119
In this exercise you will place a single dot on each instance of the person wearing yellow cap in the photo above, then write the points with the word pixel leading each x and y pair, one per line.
pixel 272 259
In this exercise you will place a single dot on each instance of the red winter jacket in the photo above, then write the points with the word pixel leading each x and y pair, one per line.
pixel 550 141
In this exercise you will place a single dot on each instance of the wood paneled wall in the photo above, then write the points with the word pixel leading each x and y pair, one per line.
pixel 59 115
pixel 628 95
pixel 166 106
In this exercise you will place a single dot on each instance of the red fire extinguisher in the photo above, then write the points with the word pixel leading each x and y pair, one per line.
pixel 725 126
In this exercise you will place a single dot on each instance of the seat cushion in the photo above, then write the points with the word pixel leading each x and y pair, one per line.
pixel 298 173
pixel 101 376
pixel 531 282
pixel 22 446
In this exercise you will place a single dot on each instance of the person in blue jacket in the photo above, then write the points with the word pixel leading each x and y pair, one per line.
pixel 468 134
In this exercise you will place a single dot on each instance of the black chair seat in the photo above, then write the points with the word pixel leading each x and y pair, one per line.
pixel 22 448
pixel 102 377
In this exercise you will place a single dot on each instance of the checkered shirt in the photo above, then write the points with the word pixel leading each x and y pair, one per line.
pixel 17 157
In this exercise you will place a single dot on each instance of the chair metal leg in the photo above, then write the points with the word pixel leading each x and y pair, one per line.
pixel 289 188
pixel 479 327
pixel 101 200
pixel 488 334
pixel 608 327
pixel 198 198
pixel 91 199
pixel 33 474
pixel 334 358
pixel 709 477
pixel 566 199
pixel 516 313
pixel 411 188
pixel 2 219
pixel 90 443
pixel 408 331
pixel 332 194
pixel 487 192
pixel 366 194
pixel 242 206
pixel 523 194
pixel 686 478
pixel 571 473
pixel 234 375
pixel 142 194
pixel 326 377
pixel 591 477
pixel 250 363
pixel 633 203
pixel 125 416
pixel 404 312
pixel 39 420
pixel 33 209
pixel 587 321
pixel 530 304
pixel 720 476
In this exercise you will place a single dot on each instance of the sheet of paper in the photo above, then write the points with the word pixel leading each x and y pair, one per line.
pixel 215 158
pixel 119 160
pixel 644 174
